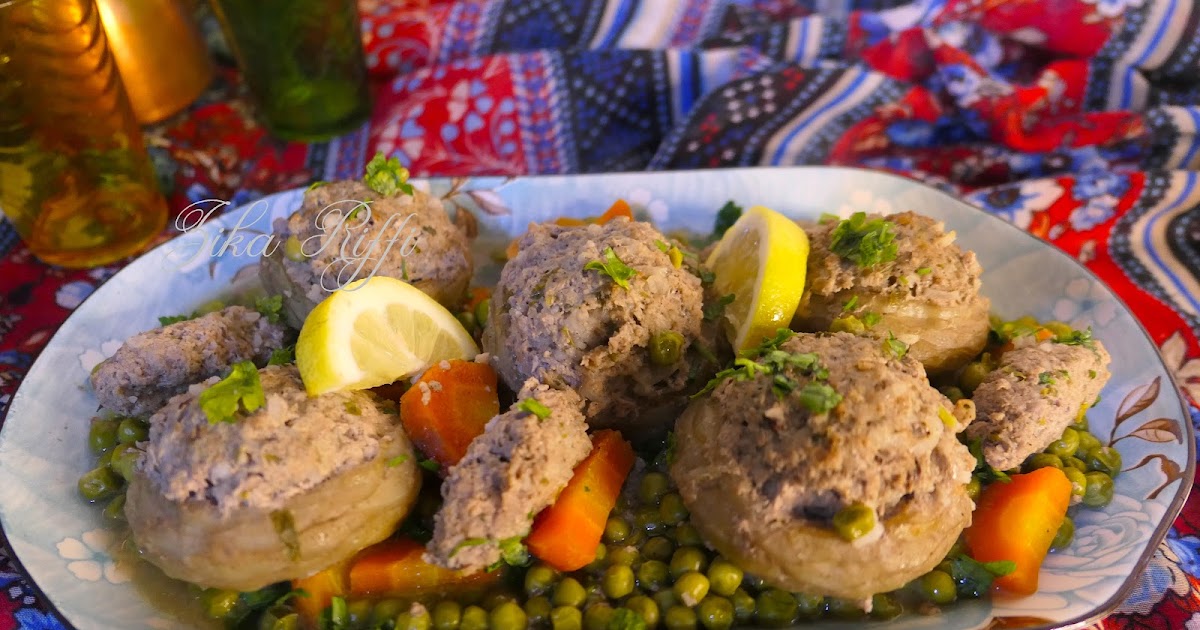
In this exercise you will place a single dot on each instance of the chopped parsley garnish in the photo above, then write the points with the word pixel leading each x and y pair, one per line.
pixel 850 304
pixel 870 318
pixel 769 360
pixel 726 217
pixel 984 471
pixel 974 578
pixel 716 310
pixel 662 247
pixel 1091 373
pixel 387 176
pixel 706 277
pixel 819 397
pixel 924 271
pixel 865 243
pixel 175 319
pixel 468 542
pixel 285 527
pixel 896 347
pixel 270 307
pixel 532 406
pixel 430 464
pixel 513 552
pixel 1046 378
pixel 612 267
pixel 283 356
pixel 241 390
pixel 1078 338
pixel 396 461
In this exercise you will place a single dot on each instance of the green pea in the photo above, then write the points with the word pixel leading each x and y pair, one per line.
pixel 755 583
pixel 645 608
pixel 1078 481
pixel 1074 462
pixel 618 581
pixel 359 611
pixel 809 606
pixel 1043 460
pixel 775 608
pixel 481 311
pixel 447 614
pixel 115 510
pixel 566 618
pixel 597 616
pixel 974 487
pixel 1099 491
pixel 467 320
pixel 220 603
pixel 953 393
pixel 686 559
pixel 99 484
pixel 1081 421
pixel 715 613
pixel 102 434
pixel 938 587
pixel 1066 533
pixel 665 599
pixel 623 555
pixel 652 575
pixel 680 618
pixel 724 577
pixel 743 607
pixel 293 249
pixel 1066 445
pixel 473 618
pixel 854 521
pixel 1087 442
pixel 415 618
pixel 1105 459
pixel 539 579
pixel 507 616
pixel 385 611
pixel 884 606
pixel 600 561
pixel 666 347
pixel 616 530
pixel 132 430
pixel 672 509
pixel 124 460
pixel 972 376
pixel 654 485
pixel 648 520
pixel 686 535
pixel 287 621
pixel 691 588
pixel 569 592
pixel 497 598
pixel 841 608
pixel 658 548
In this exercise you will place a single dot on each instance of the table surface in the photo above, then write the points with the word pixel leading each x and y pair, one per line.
pixel 1080 128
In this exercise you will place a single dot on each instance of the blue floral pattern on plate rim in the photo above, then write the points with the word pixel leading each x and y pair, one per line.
pixel 74 557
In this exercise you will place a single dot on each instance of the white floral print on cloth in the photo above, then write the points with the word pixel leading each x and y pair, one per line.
pixel 1015 202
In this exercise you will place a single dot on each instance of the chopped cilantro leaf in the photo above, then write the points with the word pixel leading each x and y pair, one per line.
pixel 726 217
pixel 174 319
pixel 612 267
pixel 850 304
pixel 270 307
pixel 1078 338
pixel 819 397
pixel 896 347
pixel 865 243
pixel 240 390
pixel 396 461
pixel 430 464
pixel 285 527
pixel 716 310
pixel 387 176
pixel 662 247
pixel 532 406
pixel 283 356
pixel 869 319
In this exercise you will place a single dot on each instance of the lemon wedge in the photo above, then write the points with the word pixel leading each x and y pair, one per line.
pixel 761 261
pixel 373 332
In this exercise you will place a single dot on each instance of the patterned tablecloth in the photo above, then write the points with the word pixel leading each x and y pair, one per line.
pixel 1077 120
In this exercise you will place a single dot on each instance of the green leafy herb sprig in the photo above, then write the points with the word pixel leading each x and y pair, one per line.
pixel 532 406
pixel 865 243
pixel 613 267
pixel 768 360
pixel 387 176
pixel 240 391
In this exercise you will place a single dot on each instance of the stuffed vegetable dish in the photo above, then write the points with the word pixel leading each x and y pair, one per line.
pixel 773 423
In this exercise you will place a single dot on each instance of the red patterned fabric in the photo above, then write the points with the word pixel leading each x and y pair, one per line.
pixel 1076 120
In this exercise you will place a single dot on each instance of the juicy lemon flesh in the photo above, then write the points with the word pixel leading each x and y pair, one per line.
pixel 375 332
pixel 762 261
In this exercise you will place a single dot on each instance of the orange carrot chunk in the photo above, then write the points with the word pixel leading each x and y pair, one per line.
pixel 1017 521
pixel 321 588
pixel 478 294
pixel 394 568
pixel 566 534
pixel 448 407
pixel 620 208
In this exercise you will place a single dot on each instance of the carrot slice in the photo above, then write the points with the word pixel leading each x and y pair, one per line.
pixel 566 534
pixel 1017 521
pixel 321 588
pixel 478 294
pixel 620 208
pixel 448 408
pixel 395 568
